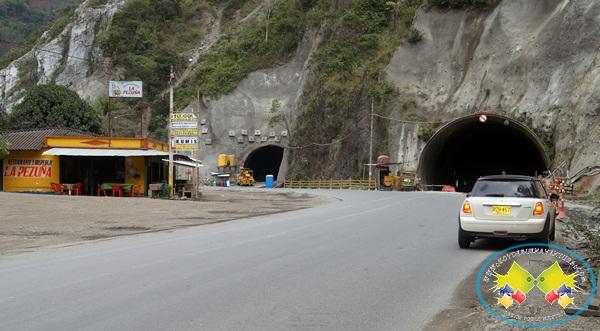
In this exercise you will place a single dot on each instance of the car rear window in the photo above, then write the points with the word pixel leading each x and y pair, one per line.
pixel 505 188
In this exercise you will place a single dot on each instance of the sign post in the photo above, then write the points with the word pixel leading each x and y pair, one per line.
pixel 122 89
pixel 183 134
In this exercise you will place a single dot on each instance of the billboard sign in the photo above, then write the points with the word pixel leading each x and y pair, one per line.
pixel 130 89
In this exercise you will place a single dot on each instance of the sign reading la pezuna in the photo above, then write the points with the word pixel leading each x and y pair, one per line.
pixel 131 89
pixel 34 168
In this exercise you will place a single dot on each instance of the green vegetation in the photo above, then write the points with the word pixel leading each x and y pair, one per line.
pixel 358 43
pixel 54 106
pixel 22 24
pixel 245 49
pixel 147 36
pixel 427 130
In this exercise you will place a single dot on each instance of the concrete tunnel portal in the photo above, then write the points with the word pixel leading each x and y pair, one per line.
pixel 264 161
pixel 467 148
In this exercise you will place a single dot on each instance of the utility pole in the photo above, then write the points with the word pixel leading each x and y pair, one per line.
pixel 170 182
pixel 371 141
pixel 196 152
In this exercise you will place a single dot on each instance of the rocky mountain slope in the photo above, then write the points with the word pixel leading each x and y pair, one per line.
pixel 532 61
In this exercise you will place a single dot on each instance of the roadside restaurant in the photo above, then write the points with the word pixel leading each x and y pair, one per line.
pixel 69 161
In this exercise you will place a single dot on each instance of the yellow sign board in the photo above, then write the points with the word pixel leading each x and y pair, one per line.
pixel 185 132
pixel 183 117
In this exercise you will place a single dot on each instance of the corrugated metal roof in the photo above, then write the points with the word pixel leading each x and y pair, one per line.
pixel 102 152
pixel 33 140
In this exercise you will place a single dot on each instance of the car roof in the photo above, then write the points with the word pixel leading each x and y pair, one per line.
pixel 507 177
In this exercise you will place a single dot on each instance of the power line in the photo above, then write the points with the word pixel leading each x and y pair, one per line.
pixel 45 50
pixel 337 140
pixel 58 53
pixel 407 121
pixel 333 141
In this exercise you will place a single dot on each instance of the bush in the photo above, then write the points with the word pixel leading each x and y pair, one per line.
pixel 414 35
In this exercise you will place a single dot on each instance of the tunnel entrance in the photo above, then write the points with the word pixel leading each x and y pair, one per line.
pixel 264 161
pixel 467 148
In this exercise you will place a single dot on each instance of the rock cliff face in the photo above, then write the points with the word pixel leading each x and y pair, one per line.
pixel 72 58
pixel 534 61
pixel 259 112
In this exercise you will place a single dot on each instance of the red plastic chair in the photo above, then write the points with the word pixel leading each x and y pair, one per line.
pixel 77 188
pixel 116 189
pixel 136 190
pixel 57 188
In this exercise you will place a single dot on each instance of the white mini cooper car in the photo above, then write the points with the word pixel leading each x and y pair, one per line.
pixel 513 207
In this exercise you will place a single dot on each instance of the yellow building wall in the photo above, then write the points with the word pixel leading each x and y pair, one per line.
pixel 106 142
pixel 135 171
pixel 30 171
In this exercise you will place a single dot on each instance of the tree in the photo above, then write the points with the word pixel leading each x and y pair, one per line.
pixel 268 9
pixel 48 106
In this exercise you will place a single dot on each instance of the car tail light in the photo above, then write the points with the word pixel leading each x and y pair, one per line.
pixel 539 209
pixel 467 208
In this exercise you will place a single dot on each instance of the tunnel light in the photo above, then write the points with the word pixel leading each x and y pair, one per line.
pixel 539 209
pixel 467 208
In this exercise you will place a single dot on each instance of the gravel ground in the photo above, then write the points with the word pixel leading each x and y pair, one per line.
pixel 30 221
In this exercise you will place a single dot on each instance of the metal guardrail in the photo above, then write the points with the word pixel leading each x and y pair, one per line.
pixel 332 184
pixel 587 171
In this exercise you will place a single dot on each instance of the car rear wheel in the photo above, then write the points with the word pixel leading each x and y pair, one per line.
pixel 546 235
pixel 463 242
pixel 552 234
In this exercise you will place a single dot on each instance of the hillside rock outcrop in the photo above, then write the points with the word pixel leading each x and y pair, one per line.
pixel 534 61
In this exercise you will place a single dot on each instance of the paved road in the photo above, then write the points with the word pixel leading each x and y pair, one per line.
pixel 374 261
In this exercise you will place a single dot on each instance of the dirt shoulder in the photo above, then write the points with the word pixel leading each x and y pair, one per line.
pixel 29 221
pixel 467 314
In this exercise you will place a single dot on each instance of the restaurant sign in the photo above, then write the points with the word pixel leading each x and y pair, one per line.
pixel 131 89
pixel 28 168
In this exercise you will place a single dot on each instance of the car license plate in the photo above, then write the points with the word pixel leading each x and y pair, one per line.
pixel 501 210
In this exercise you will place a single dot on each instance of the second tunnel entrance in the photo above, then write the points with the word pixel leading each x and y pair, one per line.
pixel 468 148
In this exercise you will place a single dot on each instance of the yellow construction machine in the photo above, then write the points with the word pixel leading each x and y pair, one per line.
pixel 246 177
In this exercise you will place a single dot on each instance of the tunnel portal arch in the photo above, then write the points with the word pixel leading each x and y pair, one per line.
pixel 264 160
pixel 467 148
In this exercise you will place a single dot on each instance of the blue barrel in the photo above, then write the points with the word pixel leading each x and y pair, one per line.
pixel 270 180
